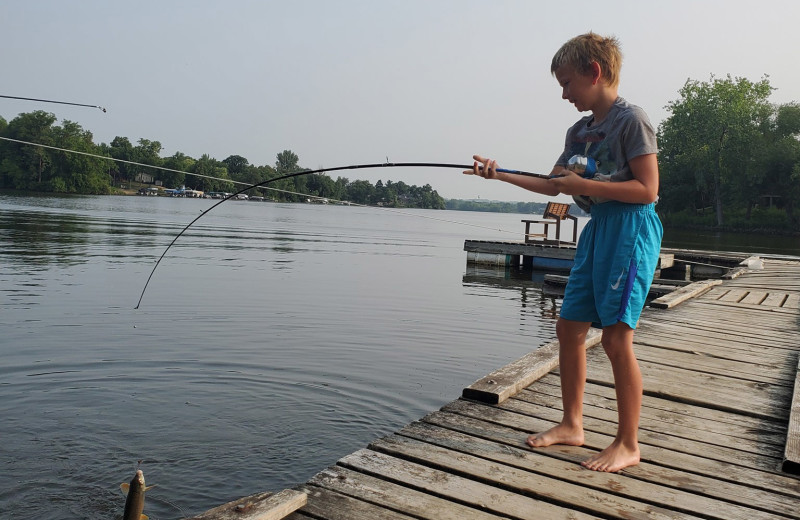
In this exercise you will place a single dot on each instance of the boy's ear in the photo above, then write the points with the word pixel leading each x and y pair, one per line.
pixel 596 72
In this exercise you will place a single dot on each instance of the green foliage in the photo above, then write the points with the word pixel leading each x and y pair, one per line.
pixel 33 168
pixel 287 162
pixel 726 147
pixel 211 175
pixel 178 161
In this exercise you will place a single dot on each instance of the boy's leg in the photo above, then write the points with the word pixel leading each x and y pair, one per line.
pixel 572 366
pixel 624 451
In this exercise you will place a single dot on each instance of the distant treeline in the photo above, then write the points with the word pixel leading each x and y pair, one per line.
pixel 35 168
pixel 496 206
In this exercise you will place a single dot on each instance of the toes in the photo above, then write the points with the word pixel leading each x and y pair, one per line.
pixel 533 441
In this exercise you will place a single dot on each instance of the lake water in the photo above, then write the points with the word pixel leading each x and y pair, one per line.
pixel 273 340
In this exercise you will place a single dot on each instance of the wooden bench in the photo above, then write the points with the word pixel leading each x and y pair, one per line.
pixel 554 213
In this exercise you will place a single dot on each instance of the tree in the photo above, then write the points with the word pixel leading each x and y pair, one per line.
pixel 211 175
pixel 147 152
pixel 287 162
pixel 26 167
pixel 321 185
pixel 237 166
pixel 778 158
pixel 709 139
pixel 360 192
pixel 177 161
pixel 121 148
pixel 76 173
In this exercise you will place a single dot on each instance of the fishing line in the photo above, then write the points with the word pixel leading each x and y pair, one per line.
pixel 263 184
pixel 52 101
pixel 394 210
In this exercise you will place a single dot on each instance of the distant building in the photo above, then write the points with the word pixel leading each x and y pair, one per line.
pixel 144 178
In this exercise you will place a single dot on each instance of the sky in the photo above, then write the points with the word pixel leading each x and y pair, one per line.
pixel 343 82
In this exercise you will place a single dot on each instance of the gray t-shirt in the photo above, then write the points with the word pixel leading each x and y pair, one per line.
pixel 625 133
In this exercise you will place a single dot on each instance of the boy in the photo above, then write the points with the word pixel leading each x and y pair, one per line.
pixel 618 250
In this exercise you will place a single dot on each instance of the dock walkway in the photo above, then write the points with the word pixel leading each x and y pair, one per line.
pixel 720 371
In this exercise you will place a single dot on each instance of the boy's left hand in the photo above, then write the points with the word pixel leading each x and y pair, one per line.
pixel 569 183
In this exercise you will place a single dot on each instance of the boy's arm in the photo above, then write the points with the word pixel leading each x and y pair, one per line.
pixel 488 170
pixel 642 189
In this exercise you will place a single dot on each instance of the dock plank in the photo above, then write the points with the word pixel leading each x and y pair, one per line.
pixel 764 371
pixel 735 426
pixel 575 497
pixel 330 505
pixel 460 489
pixel 394 496
pixel 695 494
pixel 775 299
pixel 661 439
pixel 261 506
pixel 500 384
pixel 605 410
pixel 683 294
pixel 522 423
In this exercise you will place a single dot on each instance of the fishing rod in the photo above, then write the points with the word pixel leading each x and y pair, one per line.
pixel 323 170
pixel 52 101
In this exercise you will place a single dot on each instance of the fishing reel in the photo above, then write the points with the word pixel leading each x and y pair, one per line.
pixel 584 166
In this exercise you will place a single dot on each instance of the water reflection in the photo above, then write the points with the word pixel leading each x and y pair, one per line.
pixel 528 284
pixel 711 240
pixel 39 239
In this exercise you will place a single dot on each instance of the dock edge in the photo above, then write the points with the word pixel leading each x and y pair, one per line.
pixel 261 506
pixel 791 455
pixel 507 381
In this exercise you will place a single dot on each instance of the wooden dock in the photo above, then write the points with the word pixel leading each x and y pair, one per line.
pixel 719 431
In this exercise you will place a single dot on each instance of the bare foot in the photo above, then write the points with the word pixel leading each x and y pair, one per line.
pixel 560 434
pixel 614 458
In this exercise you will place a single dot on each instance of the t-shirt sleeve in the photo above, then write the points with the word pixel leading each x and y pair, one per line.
pixel 639 137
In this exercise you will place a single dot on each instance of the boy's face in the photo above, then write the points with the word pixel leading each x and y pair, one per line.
pixel 577 88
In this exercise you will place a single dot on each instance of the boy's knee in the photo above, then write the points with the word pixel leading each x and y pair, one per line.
pixel 617 339
pixel 569 331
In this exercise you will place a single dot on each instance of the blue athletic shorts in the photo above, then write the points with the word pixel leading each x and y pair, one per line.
pixel 615 261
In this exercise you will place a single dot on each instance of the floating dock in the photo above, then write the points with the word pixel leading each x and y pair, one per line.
pixel 719 433
pixel 685 264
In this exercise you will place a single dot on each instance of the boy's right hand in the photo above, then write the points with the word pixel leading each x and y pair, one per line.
pixel 486 168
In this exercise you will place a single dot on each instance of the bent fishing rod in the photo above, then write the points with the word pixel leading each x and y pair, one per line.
pixel 52 101
pixel 323 170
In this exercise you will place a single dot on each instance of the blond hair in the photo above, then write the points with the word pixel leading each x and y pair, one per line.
pixel 581 51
